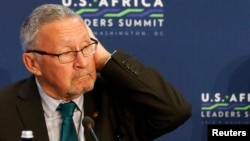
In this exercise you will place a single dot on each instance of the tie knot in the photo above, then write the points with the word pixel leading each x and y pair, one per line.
pixel 67 109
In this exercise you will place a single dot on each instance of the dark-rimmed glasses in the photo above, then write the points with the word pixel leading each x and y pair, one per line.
pixel 69 56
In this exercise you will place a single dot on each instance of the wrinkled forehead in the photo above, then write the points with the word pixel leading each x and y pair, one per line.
pixel 67 27
pixel 67 31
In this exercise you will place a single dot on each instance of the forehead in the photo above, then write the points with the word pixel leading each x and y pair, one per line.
pixel 64 30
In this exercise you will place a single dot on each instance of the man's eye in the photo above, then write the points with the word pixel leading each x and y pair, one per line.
pixel 67 53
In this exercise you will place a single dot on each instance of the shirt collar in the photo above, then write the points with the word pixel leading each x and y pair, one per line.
pixel 50 104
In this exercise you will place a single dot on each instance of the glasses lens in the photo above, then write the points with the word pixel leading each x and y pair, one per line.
pixel 67 57
pixel 89 50
pixel 71 55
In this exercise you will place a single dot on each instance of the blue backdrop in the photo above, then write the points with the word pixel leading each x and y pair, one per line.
pixel 201 46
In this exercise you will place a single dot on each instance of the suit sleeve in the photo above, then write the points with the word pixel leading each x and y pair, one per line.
pixel 158 107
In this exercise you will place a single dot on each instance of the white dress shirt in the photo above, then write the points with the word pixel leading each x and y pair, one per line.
pixel 53 117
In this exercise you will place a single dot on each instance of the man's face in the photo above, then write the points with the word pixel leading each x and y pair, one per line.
pixel 69 80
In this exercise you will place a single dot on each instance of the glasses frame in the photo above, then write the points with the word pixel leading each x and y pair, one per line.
pixel 58 54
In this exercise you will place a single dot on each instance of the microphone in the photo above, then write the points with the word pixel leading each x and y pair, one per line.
pixel 88 123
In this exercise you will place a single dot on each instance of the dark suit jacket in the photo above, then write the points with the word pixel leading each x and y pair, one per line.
pixel 130 102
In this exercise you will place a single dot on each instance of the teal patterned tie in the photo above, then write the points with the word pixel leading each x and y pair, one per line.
pixel 68 131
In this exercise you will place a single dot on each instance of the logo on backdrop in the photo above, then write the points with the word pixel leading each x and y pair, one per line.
pixel 218 108
pixel 121 17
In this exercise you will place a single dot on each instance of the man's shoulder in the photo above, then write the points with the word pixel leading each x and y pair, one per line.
pixel 11 89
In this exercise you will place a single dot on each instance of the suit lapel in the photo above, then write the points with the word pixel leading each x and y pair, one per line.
pixel 30 110
pixel 96 105
pixel 89 109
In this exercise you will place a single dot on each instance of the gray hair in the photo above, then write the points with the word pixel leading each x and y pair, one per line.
pixel 41 15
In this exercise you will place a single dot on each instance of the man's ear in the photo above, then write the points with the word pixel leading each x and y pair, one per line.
pixel 30 63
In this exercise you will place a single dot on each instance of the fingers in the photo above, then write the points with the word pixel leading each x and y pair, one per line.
pixel 101 55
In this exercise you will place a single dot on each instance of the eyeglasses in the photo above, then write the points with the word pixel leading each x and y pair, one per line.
pixel 70 56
